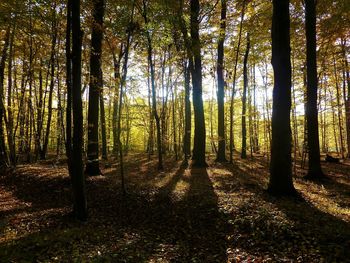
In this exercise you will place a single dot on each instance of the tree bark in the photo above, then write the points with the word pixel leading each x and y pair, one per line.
pixel 244 101
pixel 221 155
pixel 3 153
pixel 347 95
pixel 314 169
pixel 198 157
pixel 52 84
pixel 234 82
pixel 153 87
pixel 103 127
pixel 93 164
pixel 10 126
pixel 77 176
pixel 69 87
pixel 187 130
pixel 281 182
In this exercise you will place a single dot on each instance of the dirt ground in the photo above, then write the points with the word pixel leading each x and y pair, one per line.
pixel 218 214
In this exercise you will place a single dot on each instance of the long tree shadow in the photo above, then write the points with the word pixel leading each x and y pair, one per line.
pixel 289 228
pixel 188 228
pixel 179 223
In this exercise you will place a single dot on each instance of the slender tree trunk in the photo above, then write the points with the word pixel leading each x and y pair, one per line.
pixel 234 81
pixel 173 93
pixel 294 116
pixel 347 95
pixel 117 77
pixel 187 130
pixel 244 101
pixel 96 85
pixel 60 120
pixel 78 179
pixel 10 127
pixel 281 162
pixel 69 87
pixel 255 116
pixel 28 120
pixel 267 108
pixel 334 122
pixel 4 55
pixel 340 112
pixel 52 84
pixel 153 87
pixel 221 156
pixel 121 95
pixel 314 169
pixel 151 118
pixel 103 127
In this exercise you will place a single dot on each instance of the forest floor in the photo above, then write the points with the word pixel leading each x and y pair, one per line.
pixel 218 214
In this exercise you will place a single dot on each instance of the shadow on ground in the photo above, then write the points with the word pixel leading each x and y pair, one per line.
pixel 175 223
pixel 218 214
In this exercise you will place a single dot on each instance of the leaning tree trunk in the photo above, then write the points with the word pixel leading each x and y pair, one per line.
pixel 221 156
pixel 93 165
pixel 77 175
pixel 313 143
pixel 281 162
pixel 198 157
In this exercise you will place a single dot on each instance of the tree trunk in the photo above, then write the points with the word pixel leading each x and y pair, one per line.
pixel 10 127
pixel 116 67
pixel 244 101
pixel 153 87
pixel 103 127
pixel 52 84
pixel 234 82
pixel 96 85
pixel 121 95
pixel 77 176
pixel 198 157
pixel 340 112
pixel 187 130
pixel 3 153
pixel 346 98
pixel 314 169
pixel 69 87
pixel 221 156
pixel 281 162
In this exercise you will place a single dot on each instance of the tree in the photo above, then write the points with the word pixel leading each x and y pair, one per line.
pixel 234 81
pixel 244 101
pixel 77 175
pixel 92 165
pixel 43 151
pixel 153 85
pixel 198 157
pixel 281 162
pixel 3 153
pixel 187 129
pixel 314 170
pixel 221 156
